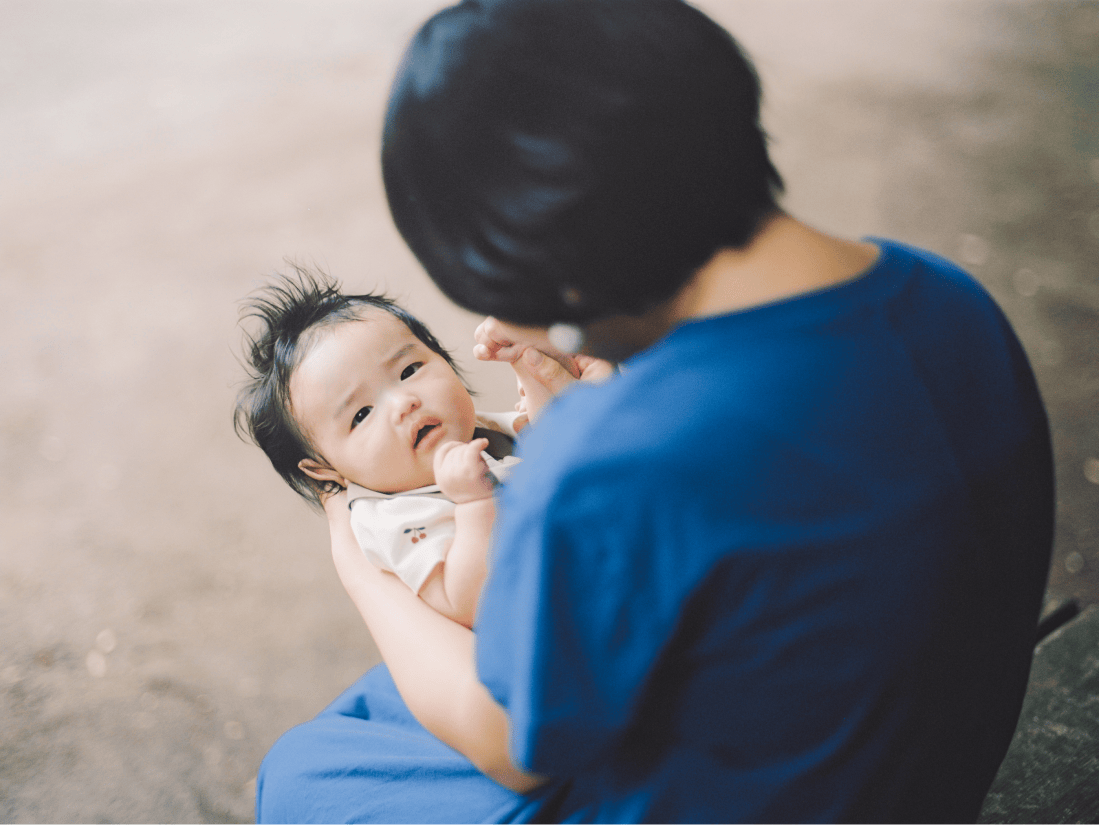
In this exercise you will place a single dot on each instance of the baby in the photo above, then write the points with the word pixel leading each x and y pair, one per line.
pixel 351 392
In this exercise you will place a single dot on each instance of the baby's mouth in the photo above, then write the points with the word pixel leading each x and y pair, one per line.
pixel 424 430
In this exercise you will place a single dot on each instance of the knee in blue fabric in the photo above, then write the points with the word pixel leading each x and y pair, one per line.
pixel 365 758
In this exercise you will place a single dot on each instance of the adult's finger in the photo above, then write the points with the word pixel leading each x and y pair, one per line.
pixel 541 378
pixel 335 506
pixel 594 369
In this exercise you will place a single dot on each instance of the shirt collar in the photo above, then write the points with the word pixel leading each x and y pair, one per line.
pixel 355 492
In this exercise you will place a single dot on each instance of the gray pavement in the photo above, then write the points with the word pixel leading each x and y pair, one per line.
pixel 167 607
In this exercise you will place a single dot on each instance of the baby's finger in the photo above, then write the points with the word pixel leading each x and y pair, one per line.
pixel 490 331
pixel 486 353
pixel 496 341
pixel 491 335
pixel 469 452
pixel 445 449
pixel 469 459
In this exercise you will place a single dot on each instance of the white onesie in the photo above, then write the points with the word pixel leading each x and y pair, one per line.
pixel 409 533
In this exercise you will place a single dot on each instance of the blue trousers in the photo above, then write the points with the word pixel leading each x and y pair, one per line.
pixel 365 758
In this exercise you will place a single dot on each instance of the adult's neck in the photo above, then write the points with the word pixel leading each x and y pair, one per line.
pixel 784 259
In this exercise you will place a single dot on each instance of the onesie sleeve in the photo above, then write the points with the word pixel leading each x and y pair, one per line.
pixel 580 601
pixel 406 535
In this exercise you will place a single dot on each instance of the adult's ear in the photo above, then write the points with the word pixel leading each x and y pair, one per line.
pixel 321 472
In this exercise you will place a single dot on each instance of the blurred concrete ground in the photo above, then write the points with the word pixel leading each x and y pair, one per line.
pixel 167 607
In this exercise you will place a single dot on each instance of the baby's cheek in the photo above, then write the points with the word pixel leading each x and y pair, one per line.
pixel 467 415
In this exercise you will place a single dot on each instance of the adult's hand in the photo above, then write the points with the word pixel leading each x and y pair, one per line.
pixel 540 378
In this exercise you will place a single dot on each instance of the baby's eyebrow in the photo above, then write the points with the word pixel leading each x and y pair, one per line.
pixel 343 405
pixel 399 354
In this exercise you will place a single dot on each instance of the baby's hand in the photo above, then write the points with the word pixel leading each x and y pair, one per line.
pixel 496 342
pixel 461 471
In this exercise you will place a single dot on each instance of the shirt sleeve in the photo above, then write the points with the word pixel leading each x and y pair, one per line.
pixel 407 535
pixel 578 606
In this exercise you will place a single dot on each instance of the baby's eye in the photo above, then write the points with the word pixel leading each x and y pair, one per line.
pixel 360 415
pixel 410 370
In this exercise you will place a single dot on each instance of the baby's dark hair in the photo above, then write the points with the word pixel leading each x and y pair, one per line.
pixel 291 310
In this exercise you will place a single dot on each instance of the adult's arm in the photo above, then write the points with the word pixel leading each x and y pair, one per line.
pixel 430 658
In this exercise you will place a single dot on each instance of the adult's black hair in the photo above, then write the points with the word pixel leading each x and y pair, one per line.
pixel 563 160
pixel 290 310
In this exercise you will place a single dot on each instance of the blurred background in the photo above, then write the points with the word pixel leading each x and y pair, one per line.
pixel 167 606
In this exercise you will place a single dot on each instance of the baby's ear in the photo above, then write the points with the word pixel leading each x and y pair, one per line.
pixel 320 472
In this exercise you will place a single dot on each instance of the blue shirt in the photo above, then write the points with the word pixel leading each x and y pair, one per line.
pixel 786 566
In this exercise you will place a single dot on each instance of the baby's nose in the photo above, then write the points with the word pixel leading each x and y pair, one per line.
pixel 404 403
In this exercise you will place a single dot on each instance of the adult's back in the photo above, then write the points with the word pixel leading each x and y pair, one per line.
pixel 786 567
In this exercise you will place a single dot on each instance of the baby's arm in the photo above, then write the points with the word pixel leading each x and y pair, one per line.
pixel 430 658
pixel 455 584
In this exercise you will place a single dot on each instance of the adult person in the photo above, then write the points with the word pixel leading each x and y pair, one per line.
pixel 787 565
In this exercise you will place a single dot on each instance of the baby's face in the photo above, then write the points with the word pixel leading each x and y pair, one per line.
pixel 376 403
